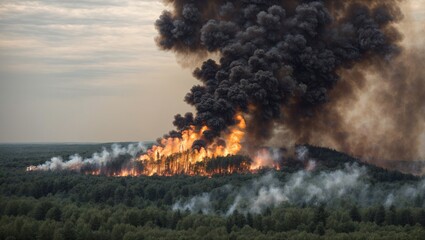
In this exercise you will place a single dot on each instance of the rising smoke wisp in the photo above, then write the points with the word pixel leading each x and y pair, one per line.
pixel 325 72
pixel 116 160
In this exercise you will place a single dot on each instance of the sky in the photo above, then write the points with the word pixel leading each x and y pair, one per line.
pixel 90 71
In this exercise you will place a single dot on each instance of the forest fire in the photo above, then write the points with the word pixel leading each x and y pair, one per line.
pixel 171 156
pixel 177 155
pixel 290 71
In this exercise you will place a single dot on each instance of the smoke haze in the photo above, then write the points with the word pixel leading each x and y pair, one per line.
pixel 351 184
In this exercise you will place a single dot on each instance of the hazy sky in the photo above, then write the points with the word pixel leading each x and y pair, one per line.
pixel 89 70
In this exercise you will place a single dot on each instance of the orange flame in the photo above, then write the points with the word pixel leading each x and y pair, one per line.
pixel 175 155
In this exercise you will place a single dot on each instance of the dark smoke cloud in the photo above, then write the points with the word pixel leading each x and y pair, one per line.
pixel 301 66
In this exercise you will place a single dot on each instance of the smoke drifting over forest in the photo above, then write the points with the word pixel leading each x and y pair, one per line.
pixel 351 184
pixel 107 161
pixel 330 73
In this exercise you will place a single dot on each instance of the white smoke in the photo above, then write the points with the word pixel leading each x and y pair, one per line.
pixel 98 159
pixel 406 194
pixel 302 153
pixel 262 193
pixel 311 165
pixel 311 188
pixel 304 187
pixel 195 204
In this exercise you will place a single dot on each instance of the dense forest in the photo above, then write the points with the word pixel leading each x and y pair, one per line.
pixel 377 204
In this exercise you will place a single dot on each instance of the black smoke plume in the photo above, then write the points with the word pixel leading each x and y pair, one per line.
pixel 300 66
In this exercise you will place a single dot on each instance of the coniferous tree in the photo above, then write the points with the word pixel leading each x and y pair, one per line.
pixel 391 216
pixel 320 229
pixel 421 218
pixel 320 215
pixel 380 215
pixel 355 214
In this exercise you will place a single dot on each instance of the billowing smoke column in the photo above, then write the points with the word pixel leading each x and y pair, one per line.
pixel 300 66
pixel 326 72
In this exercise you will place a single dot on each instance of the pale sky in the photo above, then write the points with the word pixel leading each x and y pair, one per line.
pixel 89 71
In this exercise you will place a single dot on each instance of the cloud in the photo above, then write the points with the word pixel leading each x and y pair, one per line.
pixel 79 42
pixel 64 65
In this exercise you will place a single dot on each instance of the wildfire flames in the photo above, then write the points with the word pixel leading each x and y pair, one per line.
pixel 176 155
